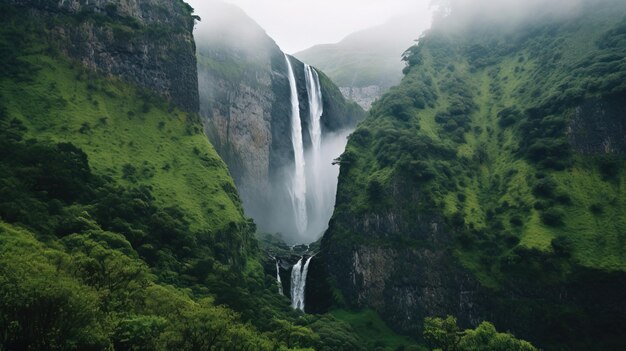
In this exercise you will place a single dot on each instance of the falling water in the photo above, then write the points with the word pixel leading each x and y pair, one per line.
pixel 298 185
pixel 316 109
pixel 298 283
pixel 278 280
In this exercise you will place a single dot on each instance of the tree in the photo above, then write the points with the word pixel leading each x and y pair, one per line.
pixel 443 334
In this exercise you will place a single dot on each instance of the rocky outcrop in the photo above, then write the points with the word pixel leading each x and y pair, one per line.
pixel 364 96
pixel 598 127
pixel 246 110
pixel 149 43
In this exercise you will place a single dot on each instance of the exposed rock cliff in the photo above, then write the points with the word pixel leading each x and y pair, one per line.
pixel 145 42
pixel 598 127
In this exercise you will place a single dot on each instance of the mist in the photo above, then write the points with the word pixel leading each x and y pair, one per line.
pixel 296 25
pixel 277 218
pixel 457 13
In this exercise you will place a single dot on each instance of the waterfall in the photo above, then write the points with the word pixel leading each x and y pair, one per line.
pixel 316 109
pixel 298 184
pixel 280 282
pixel 298 283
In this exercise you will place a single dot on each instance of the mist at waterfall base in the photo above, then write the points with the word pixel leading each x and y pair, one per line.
pixel 321 188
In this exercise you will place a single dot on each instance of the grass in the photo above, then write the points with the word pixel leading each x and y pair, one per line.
pixel 371 329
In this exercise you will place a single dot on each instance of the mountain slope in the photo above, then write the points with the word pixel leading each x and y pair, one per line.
pixel 489 183
pixel 367 63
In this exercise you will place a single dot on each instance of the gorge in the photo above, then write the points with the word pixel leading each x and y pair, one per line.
pixel 277 122
pixel 171 179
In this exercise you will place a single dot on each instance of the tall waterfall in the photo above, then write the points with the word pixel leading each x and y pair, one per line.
pixel 298 283
pixel 316 109
pixel 298 184
pixel 278 280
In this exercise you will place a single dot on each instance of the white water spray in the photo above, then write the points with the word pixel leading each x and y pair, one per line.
pixel 298 184
pixel 298 283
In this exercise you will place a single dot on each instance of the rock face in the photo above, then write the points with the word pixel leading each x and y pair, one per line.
pixel 149 43
pixel 364 96
pixel 598 127
pixel 246 110
pixel 403 283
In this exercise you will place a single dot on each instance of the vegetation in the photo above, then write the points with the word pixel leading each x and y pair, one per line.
pixel 120 227
pixel 444 334
pixel 477 133
pixel 373 332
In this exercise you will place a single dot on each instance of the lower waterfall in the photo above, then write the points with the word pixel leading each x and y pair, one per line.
pixel 298 283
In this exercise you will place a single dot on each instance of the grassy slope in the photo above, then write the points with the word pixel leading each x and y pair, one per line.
pixel 116 124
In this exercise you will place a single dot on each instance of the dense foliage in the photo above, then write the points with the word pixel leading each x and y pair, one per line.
pixel 444 334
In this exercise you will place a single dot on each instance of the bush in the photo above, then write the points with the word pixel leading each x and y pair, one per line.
pixel 553 217
pixel 562 246
pixel 596 209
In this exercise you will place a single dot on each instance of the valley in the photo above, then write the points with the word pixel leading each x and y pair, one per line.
pixel 172 179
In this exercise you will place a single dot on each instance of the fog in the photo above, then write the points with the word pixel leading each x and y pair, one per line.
pixel 456 13
pixel 299 24
pixel 320 202
pixel 296 25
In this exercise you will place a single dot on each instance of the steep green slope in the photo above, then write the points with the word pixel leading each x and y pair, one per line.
pixel 499 158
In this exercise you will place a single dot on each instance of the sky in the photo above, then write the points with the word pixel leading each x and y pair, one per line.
pixel 296 25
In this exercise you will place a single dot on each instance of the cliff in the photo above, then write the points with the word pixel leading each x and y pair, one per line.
pixel 487 184
pixel 149 43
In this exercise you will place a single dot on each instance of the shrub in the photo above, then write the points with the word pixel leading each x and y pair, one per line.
pixel 553 217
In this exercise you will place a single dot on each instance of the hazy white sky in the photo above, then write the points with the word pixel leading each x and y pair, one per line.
pixel 299 24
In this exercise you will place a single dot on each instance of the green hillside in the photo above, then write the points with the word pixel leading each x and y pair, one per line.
pixel 493 110
pixel 493 127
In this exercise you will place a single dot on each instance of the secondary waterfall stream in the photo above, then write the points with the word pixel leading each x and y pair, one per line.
pixel 278 280
pixel 298 283
pixel 298 186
